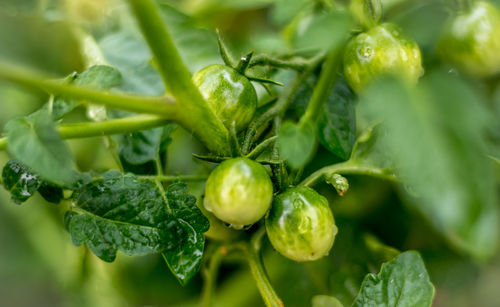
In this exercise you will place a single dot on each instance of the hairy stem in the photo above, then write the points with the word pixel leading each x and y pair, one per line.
pixel 194 112
pixel 109 127
pixel 348 168
pixel 164 106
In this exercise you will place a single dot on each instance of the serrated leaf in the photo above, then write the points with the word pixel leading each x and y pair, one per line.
pixel 34 141
pixel 187 229
pixel 401 282
pixel 435 136
pixel 123 212
pixel 337 122
pixel 20 181
pixel 297 143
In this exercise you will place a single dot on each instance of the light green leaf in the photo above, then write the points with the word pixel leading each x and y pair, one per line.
pixel 401 282
pixel 297 143
pixel 325 301
pixel 34 141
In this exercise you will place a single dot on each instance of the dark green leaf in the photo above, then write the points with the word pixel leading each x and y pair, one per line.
pixel 34 141
pixel 297 143
pixel 20 181
pixel 123 212
pixel 337 123
pixel 435 136
pixel 143 146
pixel 186 233
pixel 401 282
pixel 51 192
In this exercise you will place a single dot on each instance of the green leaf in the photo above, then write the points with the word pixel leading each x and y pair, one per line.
pixel 370 152
pixel 34 141
pixel 123 212
pixel 51 192
pixel 186 233
pixel 337 123
pixel 139 148
pixel 325 301
pixel 20 181
pixel 321 31
pixel 435 136
pixel 401 282
pixel 297 143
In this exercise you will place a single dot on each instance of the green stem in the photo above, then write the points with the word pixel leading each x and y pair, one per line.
pixel 194 113
pixel 266 290
pixel 326 81
pixel 109 127
pixel 164 106
pixel 348 168
pixel 298 64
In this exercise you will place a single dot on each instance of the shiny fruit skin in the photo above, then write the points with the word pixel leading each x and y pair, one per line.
pixel 239 192
pixel 471 41
pixel 229 94
pixel 300 224
pixel 381 50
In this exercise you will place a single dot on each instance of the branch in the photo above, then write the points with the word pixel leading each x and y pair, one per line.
pixel 109 127
pixel 164 106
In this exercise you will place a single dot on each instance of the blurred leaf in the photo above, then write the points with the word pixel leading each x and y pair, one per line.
pixel 197 46
pixel 401 282
pixel 20 181
pixel 141 147
pixel 297 143
pixel 285 10
pixel 51 192
pixel 122 212
pixel 34 141
pixel 337 123
pixel 320 31
pixel 435 138
pixel 325 301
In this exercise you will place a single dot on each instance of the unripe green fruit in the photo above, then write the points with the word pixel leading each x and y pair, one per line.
pixel 239 192
pixel 229 94
pixel 300 224
pixel 471 41
pixel 381 50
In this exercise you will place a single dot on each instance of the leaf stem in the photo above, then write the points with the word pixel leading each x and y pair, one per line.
pixel 326 81
pixel 252 252
pixel 210 276
pixel 109 127
pixel 348 168
pixel 165 105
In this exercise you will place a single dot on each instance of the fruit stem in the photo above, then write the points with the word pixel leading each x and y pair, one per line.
pixel 210 273
pixel 261 147
pixel 243 63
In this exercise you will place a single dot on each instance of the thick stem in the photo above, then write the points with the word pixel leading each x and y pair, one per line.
pixel 266 290
pixel 164 106
pixel 210 276
pixel 194 112
pixel 348 168
pixel 109 127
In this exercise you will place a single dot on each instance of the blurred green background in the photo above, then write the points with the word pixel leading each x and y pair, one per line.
pixel 39 266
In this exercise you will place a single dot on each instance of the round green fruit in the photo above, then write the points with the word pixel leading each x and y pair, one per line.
pixel 229 94
pixel 471 41
pixel 239 192
pixel 381 50
pixel 300 224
